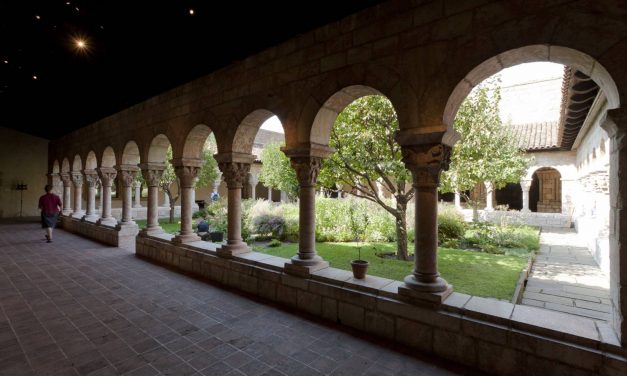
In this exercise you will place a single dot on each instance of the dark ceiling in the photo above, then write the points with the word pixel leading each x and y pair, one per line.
pixel 135 50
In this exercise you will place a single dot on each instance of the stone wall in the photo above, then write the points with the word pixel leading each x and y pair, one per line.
pixel 118 237
pixel 521 218
pixel 494 336
pixel 23 159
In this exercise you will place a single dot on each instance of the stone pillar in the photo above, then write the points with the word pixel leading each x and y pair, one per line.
pixel 253 179
pixel 283 196
pixel 235 168
pixel 166 200
pixel 91 177
pixel 127 174
pixel 77 180
pixel 489 196
pixel 186 170
pixel 616 127
pixel 426 161
pixel 270 194
pixel 458 200
pixel 525 184
pixel 138 194
pixel 67 184
pixel 152 175
pixel 307 163
pixel 99 208
pixel 216 184
pixel 107 176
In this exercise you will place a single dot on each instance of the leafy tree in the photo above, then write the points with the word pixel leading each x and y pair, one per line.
pixel 168 178
pixel 209 170
pixel 367 157
pixel 277 173
pixel 486 152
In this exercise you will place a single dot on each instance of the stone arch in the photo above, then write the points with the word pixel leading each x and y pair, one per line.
pixel 195 141
pixel 65 165
pixel 77 164
pixel 545 194
pixel 91 162
pixel 130 154
pixel 55 167
pixel 532 170
pixel 247 130
pixel 158 149
pixel 108 157
pixel 532 53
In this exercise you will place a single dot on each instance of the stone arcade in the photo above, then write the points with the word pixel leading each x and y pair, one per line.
pixel 425 57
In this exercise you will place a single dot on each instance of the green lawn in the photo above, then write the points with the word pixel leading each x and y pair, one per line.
pixel 170 228
pixel 474 273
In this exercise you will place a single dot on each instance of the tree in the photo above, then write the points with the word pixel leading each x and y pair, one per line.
pixel 209 170
pixel 277 173
pixel 167 179
pixel 367 157
pixel 486 151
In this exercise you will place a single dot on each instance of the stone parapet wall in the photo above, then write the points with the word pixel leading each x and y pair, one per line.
pixel 522 218
pixel 494 336
pixel 123 237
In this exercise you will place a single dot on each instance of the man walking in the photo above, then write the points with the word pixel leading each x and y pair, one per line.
pixel 50 205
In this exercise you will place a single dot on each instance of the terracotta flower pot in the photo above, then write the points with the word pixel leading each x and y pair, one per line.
pixel 360 267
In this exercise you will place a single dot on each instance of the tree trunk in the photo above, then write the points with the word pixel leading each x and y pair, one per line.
pixel 401 230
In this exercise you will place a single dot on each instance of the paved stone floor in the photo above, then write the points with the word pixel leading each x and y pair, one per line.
pixel 566 278
pixel 77 307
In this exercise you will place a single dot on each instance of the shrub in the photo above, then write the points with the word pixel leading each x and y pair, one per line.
pixel 273 225
pixel 274 243
pixel 451 225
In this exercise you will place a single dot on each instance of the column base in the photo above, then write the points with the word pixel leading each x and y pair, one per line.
pixel 151 231
pixel 78 214
pixel 122 226
pixel 525 211
pixel 107 222
pixel 137 206
pixel 430 294
pixel 66 212
pixel 93 218
pixel 230 250
pixel 304 267
pixel 188 238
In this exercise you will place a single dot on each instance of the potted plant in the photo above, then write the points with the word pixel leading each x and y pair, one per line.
pixel 359 266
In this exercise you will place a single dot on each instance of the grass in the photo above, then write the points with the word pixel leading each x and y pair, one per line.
pixel 170 228
pixel 473 273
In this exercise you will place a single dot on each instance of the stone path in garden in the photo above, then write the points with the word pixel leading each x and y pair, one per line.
pixel 565 277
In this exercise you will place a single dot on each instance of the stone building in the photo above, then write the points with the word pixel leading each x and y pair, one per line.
pixel 425 57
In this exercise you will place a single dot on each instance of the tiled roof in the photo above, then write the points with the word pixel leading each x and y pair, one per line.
pixel 536 136
pixel 265 137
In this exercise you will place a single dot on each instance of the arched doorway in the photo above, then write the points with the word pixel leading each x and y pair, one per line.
pixel 545 194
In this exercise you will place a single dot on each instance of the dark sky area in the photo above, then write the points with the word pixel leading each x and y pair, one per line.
pixel 133 50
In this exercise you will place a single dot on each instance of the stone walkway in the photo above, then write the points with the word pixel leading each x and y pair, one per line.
pixel 75 307
pixel 566 278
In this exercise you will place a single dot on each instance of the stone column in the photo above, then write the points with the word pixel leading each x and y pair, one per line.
pixel 186 170
pixel 525 184
pixel 270 194
pixel 77 180
pixel 166 200
pixel 152 175
pixel 138 194
pixel 253 179
pixel 426 161
pixel 489 196
pixel 283 196
pixel 127 174
pixel 458 200
pixel 99 208
pixel 91 177
pixel 67 184
pixel 307 163
pixel 235 173
pixel 216 184
pixel 107 176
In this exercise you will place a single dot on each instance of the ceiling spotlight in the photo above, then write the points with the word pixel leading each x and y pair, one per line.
pixel 6 61
pixel 191 12
pixel 37 17
pixel 80 43
pixel 34 77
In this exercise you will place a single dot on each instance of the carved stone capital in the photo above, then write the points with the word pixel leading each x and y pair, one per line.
pixel 91 177
pixel 107 175
pixel 77 179
pixel 187 175
pixel 152 173
pixel 66 178
pixel 235 174
pixel 127 175
pixel 525 184
pixel 307 169
pixel 425 162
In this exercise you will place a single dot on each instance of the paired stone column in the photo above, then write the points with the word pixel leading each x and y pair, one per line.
pixel 307 163
pixel 235 168
pixel 253 179
pixel 91 177
pixel 77 181
pixel 107 176
pixel 525 184
pixel 127 175
pixel 66 178
pixel 186 170
pixel 138 194
pixel 152 175
pixel 489 196
pixel 458 200
pixel 426 161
